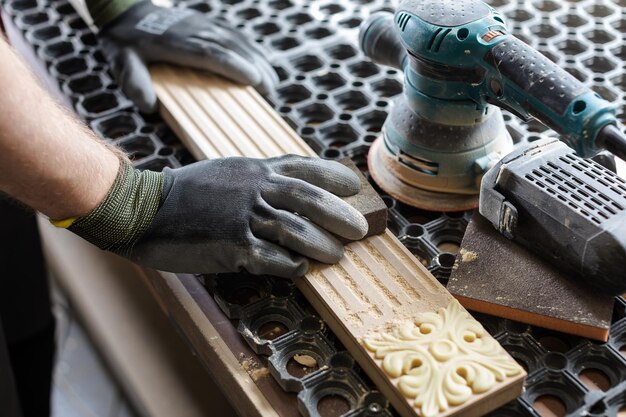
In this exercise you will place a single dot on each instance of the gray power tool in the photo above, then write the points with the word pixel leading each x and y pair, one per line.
pixel 568 210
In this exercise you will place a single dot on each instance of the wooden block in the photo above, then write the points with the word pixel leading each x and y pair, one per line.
pixel 374 297
pixel 367 202
pixel 499 277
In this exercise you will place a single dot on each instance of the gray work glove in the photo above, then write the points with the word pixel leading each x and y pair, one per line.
pixel 144 33
pixel 228 215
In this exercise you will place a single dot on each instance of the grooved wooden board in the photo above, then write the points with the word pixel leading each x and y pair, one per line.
pixel 378 284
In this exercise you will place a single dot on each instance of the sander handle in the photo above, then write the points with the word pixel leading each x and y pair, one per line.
pixel 524 81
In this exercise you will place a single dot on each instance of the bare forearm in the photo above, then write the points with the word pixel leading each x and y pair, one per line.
pixel 48 159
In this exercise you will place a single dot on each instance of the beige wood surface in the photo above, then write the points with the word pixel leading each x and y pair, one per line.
pixel 155 368
pixel 224 364
pixel 377 284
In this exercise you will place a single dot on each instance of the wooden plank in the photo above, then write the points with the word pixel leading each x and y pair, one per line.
pixel 243 376
pixel 157 371
pixel 419 346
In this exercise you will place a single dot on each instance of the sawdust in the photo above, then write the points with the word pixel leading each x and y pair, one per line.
pixel 391 271
pixel 305 360
pixel 329 291
pixel 272 333
pixel 253 367
pixel 347 280
pixel 390 325
pixel 368 273
pixel 468 255
pixel 354 318
pixel 427 281
pixel 259 373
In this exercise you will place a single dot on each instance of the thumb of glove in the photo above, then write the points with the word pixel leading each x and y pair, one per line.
pixel 133 77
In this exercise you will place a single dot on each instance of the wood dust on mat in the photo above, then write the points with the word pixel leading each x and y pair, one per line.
pixel 305 360
pixel 468 255
pixel 255 369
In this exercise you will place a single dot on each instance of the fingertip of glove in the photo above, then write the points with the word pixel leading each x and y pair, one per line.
pixel 240 71
pixel 357 226
pixel 149 108
pixel 354 186
pixel 348 179
pixel 256 79
pixel 336 256
pixel 302 269
pixel 146 101
pixel 262 89
pixel 361 226
pixel 266 85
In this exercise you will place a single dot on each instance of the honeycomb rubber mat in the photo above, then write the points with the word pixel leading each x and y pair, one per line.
pixel 337 100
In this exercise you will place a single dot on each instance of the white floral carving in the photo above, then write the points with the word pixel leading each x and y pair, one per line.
pixel 442 359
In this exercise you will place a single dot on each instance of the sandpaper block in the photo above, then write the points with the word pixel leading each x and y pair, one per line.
pixel 496 276
pixel 367 202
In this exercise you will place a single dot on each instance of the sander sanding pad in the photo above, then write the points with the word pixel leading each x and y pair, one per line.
pixel 496 276
pixel 381 170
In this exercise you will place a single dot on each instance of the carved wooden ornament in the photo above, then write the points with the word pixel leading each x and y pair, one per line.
pixel 442 359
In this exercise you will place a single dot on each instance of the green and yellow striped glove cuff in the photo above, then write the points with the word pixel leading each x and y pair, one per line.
pixel 125 213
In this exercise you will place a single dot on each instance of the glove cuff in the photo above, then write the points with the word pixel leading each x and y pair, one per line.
pixel 104 11
pixel 125 213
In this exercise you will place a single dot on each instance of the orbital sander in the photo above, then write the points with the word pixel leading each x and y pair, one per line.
pixel 461 65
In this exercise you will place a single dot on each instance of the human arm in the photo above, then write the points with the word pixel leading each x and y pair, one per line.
pixel 48 160
pixel 221 215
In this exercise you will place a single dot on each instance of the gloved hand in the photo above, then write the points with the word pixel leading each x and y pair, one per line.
pixel 134 34
pixel 225 215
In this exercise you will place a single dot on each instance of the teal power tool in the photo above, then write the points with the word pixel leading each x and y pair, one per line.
pixel 460 65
